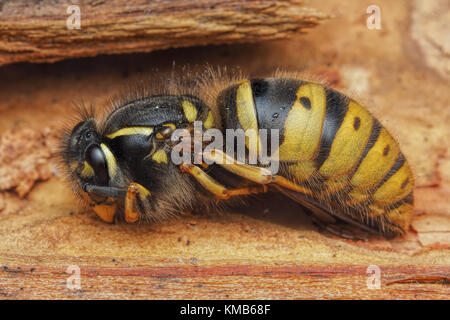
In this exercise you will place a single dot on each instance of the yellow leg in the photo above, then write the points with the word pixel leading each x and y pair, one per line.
pixel 252 173
pixel 131 206
pixel 216 188
pixel 285 183
pixel 248 190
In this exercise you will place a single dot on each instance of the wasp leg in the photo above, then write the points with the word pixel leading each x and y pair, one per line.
pixel 248 190
pixel 283 182
pixel 205 180
pixel 134 191
pixel 324 217
pixel 252 173
pixel 216 188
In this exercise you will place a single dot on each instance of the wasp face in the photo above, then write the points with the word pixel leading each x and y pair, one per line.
pixel 89 168
pixel 85 158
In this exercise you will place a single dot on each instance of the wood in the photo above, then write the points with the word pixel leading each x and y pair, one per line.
pixel 38 32
pixel 269 251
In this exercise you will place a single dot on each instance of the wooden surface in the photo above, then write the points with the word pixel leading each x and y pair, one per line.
pixel 270 250
pixel 38 32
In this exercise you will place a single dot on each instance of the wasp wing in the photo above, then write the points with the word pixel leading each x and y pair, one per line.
pixel 332 218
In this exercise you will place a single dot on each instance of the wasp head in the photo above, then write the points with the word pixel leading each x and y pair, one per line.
pixel 83 155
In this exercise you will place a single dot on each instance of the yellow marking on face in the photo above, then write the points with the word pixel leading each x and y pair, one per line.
pixel 349 142
pixel 366 176
pixel 303 126
pixel 209 122
pixel 246 113
pixel 396 187
pixel 106 211
pixel 160 156
pixel 146 131
pixel 302 170
pixel 110 160
pixel 87 170
pixel 190 111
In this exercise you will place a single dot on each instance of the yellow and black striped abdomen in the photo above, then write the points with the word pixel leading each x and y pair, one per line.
pixel 330 145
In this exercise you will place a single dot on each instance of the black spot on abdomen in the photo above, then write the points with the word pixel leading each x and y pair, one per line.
pixel 306 103
pixel 356 123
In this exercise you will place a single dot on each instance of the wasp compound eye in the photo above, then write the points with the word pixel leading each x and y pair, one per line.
pixel 96 159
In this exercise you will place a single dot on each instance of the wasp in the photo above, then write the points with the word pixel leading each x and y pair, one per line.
pixel 333 156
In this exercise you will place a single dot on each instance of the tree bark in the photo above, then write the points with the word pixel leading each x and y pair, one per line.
pixel 40 32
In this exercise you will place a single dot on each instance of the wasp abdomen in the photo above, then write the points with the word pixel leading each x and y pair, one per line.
pixel 329 144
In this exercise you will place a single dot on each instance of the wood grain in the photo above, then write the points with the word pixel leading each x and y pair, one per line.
pixel 231 282
pixel 38 32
